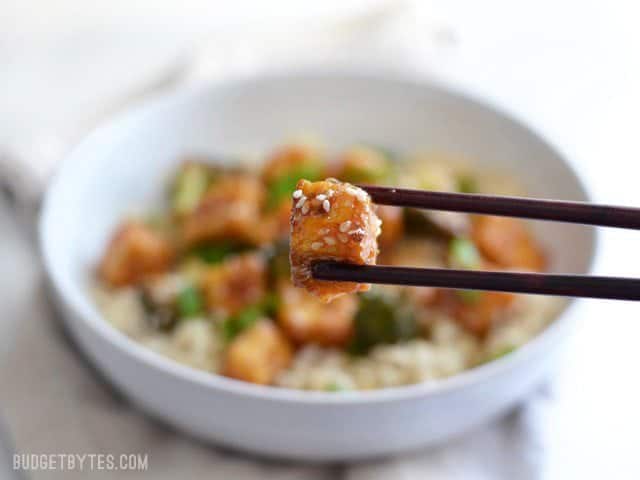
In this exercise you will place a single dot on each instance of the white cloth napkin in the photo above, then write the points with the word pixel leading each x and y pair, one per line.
pixel 52 402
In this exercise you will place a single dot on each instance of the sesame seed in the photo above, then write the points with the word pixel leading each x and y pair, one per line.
pixel 323 231
pixel 320 197
pixel 330 192
pixel 316 245
pixel 351 191
pixel 344 226
pixel 305 209
pixel 343 238
pixel 329 240
pixel 361 195
pixel 297 193
pixel 326 205
pixel 301 201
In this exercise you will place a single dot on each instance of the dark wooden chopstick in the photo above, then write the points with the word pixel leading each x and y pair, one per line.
pixel 555 210
pixel 616 288
pixel 538 283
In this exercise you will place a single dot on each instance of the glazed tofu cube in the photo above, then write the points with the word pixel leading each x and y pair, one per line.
pixel 476 311
pixel 230 209
pixel 234 284
pixel 135 253
pixel 506 242
pixel 258 354
pixel 305 319
pixel 331 220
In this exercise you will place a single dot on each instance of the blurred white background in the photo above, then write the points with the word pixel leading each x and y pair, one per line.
pixel 569 68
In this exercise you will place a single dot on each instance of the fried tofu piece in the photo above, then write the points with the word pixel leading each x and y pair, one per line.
pixel 305 319
pixel 135 253
pixel 234 284
pixel 475 311
pixel 506 242
pixel 230 209
pixel 331 220
pixel 258 354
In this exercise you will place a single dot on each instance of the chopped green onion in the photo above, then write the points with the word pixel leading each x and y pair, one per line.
pixel 239 322
pixel 190 302
pixel 190 185
pixel 469 296
pixel 501 353
pixel 216 253
pixel 334 387
pixel 374 169
pixel 365 175
pixel 283 186
pixel 278 260
pixel 464 254
pixel 269 304
pixel 246 317
pixel 467 184
pixel 387 152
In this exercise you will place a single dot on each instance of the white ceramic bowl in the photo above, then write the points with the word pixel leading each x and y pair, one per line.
pixel 125 164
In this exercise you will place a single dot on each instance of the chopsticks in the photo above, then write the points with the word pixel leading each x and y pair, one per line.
pixel 555 210
pixel 616 288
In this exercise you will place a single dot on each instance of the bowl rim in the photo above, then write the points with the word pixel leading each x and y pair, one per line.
pixel 80 304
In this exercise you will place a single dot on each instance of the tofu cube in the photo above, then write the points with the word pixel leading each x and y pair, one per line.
pixel 135 253
pixel 258 354
pixel 306 319
pixel 234 284
pixel 507 242
pixel 331 220
pixel 231 209
pixel 479 314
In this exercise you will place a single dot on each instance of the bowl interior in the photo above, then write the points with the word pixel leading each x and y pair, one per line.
pixel 124 166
